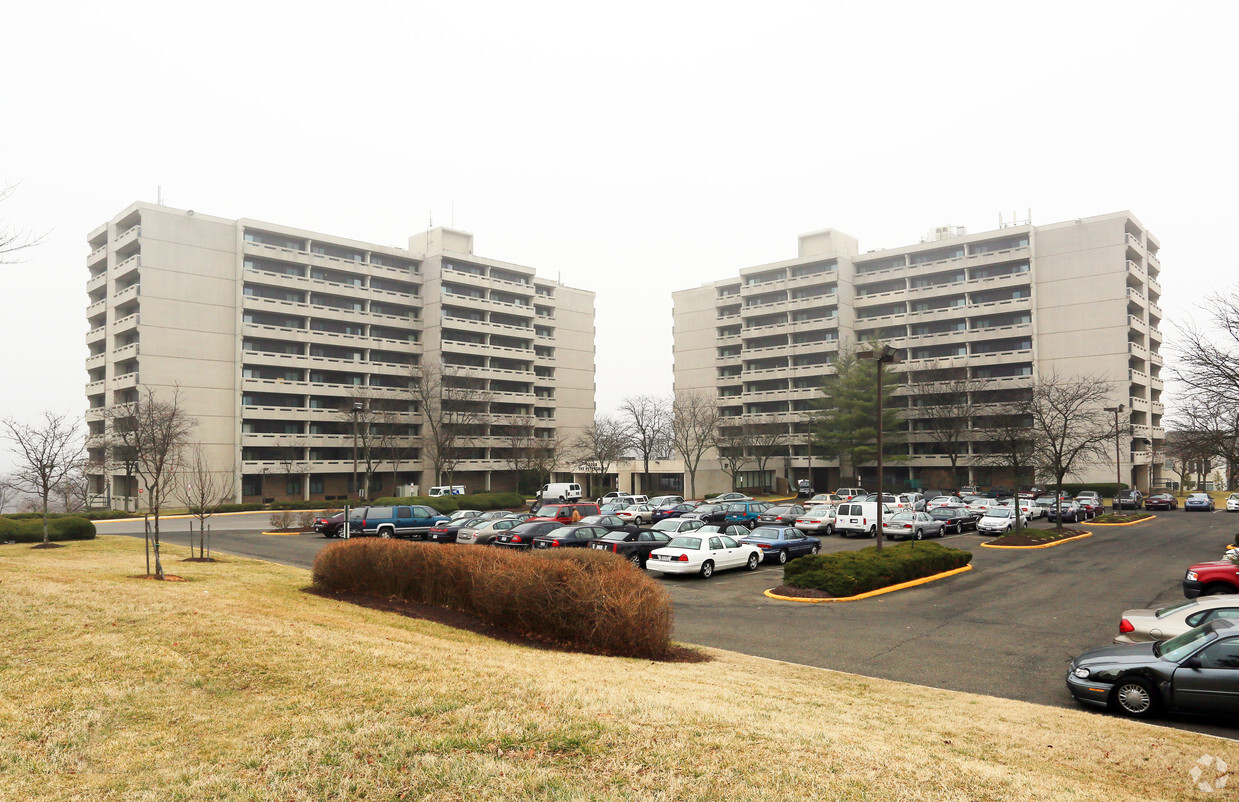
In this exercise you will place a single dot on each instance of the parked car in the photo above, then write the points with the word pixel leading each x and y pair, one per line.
pixel 446 531
pixel 398 521
pixel 820 520
pixel 637 513
pixel 1046 503
pixel 330 525
pixel 464 514
pixel 982 505
pixel 632 546
pixel 942 501
pixel 1165 501
pixel 672 510
pixel 1141 626
pixel 1198 501
pixel 1090 494
pixel 911 525
pixel 999 520
pixel 703 554
pixel 1068 511
pixel 1128 500
pixel 659 501
pixel 849 493
pixel 745 512
pixel 675 526
pixel 560 491
pixel 782 542
pixel 1090 507
pixel 859 518
pixel 708 512
pixel 521 536
pixel 731 530
pixel 574 536
pixel 482 532
pixel 612 523
pixel 804 489
pixel 824 500
pixel 970 490
pixel 614 496
pixel 954 518
pixel 781 515
pixel 1210 578
pixel 727 498
pixel 1232 503
pixel 1196 672
pixel 566 513
pixel 1028 507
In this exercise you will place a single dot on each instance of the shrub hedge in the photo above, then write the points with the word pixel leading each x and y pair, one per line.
pixel 585 599
pixel 30 530
pixel 848 573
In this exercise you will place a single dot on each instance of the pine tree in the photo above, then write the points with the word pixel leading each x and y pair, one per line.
pixel 845 425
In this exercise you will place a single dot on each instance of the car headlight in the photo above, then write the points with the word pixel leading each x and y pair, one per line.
pixel 1082 673
pixel 1191 575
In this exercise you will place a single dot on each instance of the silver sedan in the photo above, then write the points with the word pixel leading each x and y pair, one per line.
pixel 1142 626
pixel 914 525
pixel 817 519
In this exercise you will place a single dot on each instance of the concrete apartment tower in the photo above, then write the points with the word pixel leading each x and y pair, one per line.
pixel 1078 298
pixel 273 334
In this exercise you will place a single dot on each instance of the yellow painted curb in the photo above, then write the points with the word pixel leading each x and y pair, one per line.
pixel 901 586
pixel 283 533
pixel 1129 523
pixel 1043 545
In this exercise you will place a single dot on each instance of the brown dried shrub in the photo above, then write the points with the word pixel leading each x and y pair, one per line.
pixel 584 599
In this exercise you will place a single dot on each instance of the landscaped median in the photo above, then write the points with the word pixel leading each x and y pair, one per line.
pixel 1121 518
pixel 852 575
pixel 1036 538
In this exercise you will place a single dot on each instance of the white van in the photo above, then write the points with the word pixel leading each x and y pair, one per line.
pixel 560 491
pixel 860 517
pixel 447 490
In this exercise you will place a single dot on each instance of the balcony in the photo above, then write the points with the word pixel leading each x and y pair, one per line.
pixel 1138 351
pixel 1137 376
pixel 92 388
pixel 1155 336
pixel 132 263
pixel 1157 384
pixel 1155 287
pixel 1141 457
pixel 96 256
pixel 125 323
pixel 1137 324
pixel 95 361
pixel 97 307
pixel 1158 432
pixel 1155 311
pixel 96 281
pixel 1140 430
pixel 125 381
pixel 128 234
pixel 1134 242
pixel 1156 359
pixel 1135 270
pixel 132 291
pixel 1139 403
pixel 1157 408
pixel 1137 296
pixel 96 334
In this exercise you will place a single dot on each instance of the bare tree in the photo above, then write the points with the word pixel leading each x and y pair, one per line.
pixel 455 409
pixel 527 454
pixel 1188 451
pixel 600 445
pixel 203 490
pixel 156 431
pixel 648 423
pixel 1207 358
pixel 14 240
pixel 47 455
pixel 765 442
pixel 1069 424
pixel 290 456
pixel 1007 439
pixel 731 443
pixel 7 494
pixel 946 409
pixel 393 443
pixel 1209 425
pixel 74 490
pixel 694 426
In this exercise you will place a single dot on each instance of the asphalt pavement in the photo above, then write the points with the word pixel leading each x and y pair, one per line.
pixel 1007 628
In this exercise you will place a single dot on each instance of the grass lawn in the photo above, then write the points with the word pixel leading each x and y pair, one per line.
pixel 236 684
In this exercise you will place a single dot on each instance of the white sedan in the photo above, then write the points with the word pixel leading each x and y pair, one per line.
pixel 703 554
pixel 1232 502
pixel 999 520
pixel 636 514
pixel 483 532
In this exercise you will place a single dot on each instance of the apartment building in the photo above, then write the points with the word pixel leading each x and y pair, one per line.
pixel 1078 298
pixel 283 343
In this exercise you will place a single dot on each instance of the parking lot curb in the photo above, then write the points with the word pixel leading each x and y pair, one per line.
pixel 284 533
pixel 1129 523
pixel 901 586
pixel 1043 545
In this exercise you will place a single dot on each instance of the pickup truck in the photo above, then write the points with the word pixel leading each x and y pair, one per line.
pixel 387 522
pixel 1207 579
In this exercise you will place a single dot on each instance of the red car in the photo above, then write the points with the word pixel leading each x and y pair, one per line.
pixel 1206 579
pixel 1161 501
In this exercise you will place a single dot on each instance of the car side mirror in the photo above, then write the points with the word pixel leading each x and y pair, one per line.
pixel 1191 662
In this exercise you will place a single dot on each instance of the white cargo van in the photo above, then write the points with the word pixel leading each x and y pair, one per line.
pixel 860 518
pixel 447 490
pixel 560 491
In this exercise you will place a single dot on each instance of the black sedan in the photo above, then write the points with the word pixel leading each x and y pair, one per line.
pixel 612 523
pixel 445 531
pixel 1196 672
pixel 632 546
pixel 955 518
pixel 782 542
pixel 329 526
pixel 1161 501
pixel 709 512
pixel 573 536
pixel 782 515
pixel 521 536
pixel 671 511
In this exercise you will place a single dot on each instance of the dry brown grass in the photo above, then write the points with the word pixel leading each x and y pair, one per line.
pixel 236 685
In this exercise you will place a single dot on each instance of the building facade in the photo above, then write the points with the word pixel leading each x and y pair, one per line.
pixel 297 353
pixel 1077 298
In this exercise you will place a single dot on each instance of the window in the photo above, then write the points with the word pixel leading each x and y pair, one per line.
pixel 316 484
pixel 251 485
pixel 1224 654
pixel 294 486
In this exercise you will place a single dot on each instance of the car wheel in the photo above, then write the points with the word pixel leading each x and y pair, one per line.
pixel 919 535
pixel 1134 697
pixel 816 548
pixel 752 563
pixel 830 530
pixel 635 559
pixel 783 557
pixel 873 531
pixel 707 569
pixel 751 525
pixel 386 534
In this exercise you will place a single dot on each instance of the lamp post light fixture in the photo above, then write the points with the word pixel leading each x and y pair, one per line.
pixel 357 408
pixel 885 355
pixel 1118 462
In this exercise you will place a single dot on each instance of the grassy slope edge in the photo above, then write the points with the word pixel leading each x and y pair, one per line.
pixel 236 684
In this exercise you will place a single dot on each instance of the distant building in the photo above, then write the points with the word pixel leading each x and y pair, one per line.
pixel 272 333
pixel 1078 297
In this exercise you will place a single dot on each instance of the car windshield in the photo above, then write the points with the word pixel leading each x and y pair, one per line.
pixel 900 516
pixel 1177 648
pixel 617 536
pixel 942 512
pixel 667 525
pixel 563 531
pixel 684 543
pixel 1198 496
pixel 1174 608
pixel 820 511
pixel 766 533
pixel 999 512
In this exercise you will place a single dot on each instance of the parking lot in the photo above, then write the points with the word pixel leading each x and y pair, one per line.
pixel 1007 628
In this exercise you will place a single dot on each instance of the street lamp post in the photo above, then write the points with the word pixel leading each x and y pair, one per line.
pixel 357 407
pixel 883 356
pixel 1118 462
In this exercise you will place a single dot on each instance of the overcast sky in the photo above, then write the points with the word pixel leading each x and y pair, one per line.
pixel 631 151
